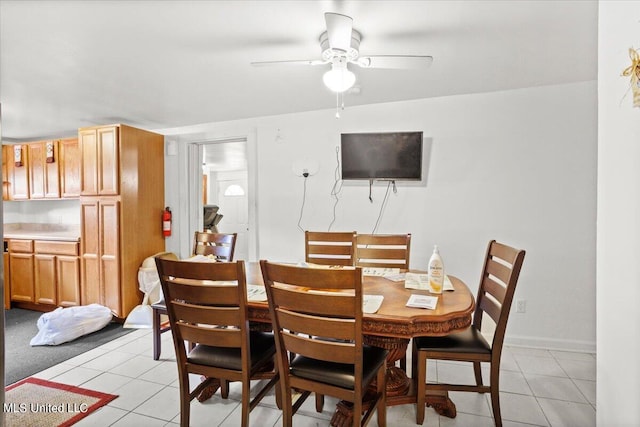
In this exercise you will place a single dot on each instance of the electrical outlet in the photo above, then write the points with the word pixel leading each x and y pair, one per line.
pixel 521 306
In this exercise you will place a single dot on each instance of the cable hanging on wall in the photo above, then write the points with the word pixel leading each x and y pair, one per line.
pixel 337 187
pixel 384 204
pixel 304 198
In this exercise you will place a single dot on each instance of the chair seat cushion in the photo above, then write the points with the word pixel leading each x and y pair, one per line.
pixel 468 341
pixel 160 305
pixel 339 374
pixel 263 348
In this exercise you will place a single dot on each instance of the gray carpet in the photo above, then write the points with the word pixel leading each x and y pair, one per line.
pixel 22 360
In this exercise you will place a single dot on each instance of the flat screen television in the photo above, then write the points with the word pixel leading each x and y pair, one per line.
pixel 382 156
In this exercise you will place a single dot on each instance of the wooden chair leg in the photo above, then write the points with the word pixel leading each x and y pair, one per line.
pixel 421 377
pixel 156 334
pixel 495 394
pixel 381 383
pixel 319 402
pixel 477 370
pixel 224 389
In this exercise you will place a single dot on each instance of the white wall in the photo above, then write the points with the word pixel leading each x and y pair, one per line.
pixel 42 211
pixel 618 269
pixel 517 166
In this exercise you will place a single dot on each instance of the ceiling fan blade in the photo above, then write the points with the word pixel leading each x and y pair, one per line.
pixel 395 61
pixel 339 31
pixel 294 62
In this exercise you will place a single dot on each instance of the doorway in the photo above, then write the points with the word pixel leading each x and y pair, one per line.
pixel 223 178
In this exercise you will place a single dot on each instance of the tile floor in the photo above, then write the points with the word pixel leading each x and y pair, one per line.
pixel 538 388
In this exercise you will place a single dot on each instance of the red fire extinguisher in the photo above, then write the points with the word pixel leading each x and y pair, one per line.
pixel 166 222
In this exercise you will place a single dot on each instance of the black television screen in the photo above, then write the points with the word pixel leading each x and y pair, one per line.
pixel 384 156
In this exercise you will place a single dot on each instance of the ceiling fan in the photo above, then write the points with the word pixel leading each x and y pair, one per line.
pixel 340 45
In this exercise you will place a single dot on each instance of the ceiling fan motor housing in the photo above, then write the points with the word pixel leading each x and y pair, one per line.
pixel 351 54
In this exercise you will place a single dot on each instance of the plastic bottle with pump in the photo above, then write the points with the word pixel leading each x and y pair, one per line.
pixel 436 272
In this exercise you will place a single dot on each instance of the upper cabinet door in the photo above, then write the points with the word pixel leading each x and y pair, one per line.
pixel 69 168
pixel 18 171
pixel 36 170
pixel 88 140
pixel 52 162
pixel 43 170
pixel 100 162
pixel 108 161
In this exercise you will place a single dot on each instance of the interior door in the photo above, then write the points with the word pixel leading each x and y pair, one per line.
pixel 233 202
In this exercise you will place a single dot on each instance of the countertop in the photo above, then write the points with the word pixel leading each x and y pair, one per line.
pixel 42 231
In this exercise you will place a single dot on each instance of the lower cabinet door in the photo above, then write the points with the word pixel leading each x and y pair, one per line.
pixel 22 280
pixel 45 279
pixel 68 278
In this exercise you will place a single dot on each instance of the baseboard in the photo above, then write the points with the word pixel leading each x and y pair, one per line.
pixel 551 344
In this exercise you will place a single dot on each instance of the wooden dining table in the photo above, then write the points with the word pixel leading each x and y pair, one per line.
pixel 391 327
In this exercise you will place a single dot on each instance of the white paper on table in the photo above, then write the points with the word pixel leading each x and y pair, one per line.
pixel 380 271
pixel 371 303
pixel 421 281
pixel 422 301
pixel 256 293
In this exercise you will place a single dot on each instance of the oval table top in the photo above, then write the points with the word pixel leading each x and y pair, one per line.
pixel 394 319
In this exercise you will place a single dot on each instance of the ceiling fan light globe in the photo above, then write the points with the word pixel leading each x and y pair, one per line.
pixel 339 79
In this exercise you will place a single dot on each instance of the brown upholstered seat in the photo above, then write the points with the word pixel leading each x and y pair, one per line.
pixel 500 274
pixel 329 355
pixel 207 307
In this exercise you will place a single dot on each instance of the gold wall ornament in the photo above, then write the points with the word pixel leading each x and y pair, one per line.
pixel 633 71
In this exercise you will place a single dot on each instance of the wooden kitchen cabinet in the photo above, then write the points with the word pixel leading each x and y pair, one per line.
pixel 99 153
pixel 5 173
pixel 57 273
pixel 37 178
pixel 7 278
pixel 45 279
pixel 44 181
pixel 100 219
pixel 69 166
pixel 18 175
pixel 121 202
pixel 22 274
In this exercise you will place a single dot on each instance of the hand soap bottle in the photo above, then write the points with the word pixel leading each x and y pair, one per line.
pixel 436 272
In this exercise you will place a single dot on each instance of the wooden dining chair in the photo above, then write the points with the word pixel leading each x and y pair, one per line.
pixel 386 251
pixel 498 281
pixel 324 308
pixel 329 247
pixel 383 250
pixel 207 307
pixel 222 247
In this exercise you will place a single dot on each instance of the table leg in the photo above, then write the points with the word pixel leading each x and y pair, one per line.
pixel 399 385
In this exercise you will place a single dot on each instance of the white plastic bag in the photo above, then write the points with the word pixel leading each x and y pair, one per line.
pixel 67 324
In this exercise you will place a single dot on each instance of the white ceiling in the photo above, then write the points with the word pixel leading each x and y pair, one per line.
pixel 162 64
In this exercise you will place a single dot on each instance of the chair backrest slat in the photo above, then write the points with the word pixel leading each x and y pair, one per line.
pixel 497 290
pixel 383 250
pixel 208 335
pixel 503 263
pixel 322 350
pixel 317 326
pixel 329 248
pixel 208 315
pixel 221 246
pixel 499 270
pixel 327 316
pixel 335 303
